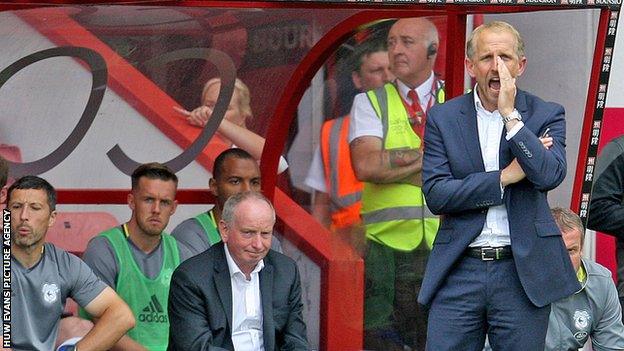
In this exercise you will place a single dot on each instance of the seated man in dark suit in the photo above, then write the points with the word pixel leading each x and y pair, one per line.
pixel 239 293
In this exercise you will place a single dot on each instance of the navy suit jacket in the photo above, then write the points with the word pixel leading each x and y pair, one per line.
pixel 457 186
pixel 200 303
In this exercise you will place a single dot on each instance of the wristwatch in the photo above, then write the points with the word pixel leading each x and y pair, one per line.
pixel 513 115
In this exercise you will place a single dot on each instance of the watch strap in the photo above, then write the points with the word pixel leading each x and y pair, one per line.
pixel 513 115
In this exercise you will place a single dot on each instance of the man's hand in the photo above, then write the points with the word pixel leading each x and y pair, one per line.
pixel 546 141
pixel 507 91
pixel 355 236
pixel 114 319
pixel 512 173
pixel 198 117
pixel 371 163
pixel 414 179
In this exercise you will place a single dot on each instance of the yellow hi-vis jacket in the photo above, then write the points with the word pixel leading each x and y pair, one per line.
pixel 395 214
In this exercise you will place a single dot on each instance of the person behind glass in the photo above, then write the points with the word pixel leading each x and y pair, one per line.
pixel 606 207
pixel 594 311
pixel 233 127
pixel 137 258
pixel 385 140
pixel 44 276
pixel 498 259
pixel 235 171
pixel 337 191
pixel 239 294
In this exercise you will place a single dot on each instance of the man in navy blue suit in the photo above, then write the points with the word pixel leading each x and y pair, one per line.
pixel 498 259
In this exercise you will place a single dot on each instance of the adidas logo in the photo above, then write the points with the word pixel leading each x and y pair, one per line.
pixel 153 312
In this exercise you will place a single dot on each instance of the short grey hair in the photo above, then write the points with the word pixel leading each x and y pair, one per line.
pixel 495 26
pixel 432 33
pixel 229 208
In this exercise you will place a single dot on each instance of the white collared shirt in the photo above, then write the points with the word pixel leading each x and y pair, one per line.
pixel 364 120
pixel 490 125
pixel 423 91
pixel 246 307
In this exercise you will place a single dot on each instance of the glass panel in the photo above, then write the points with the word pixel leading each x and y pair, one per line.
pixel 157 61
pixel 359 64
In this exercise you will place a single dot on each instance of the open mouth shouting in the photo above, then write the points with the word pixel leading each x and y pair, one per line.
pixel 494 83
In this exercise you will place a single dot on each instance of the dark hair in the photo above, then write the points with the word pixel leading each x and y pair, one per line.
pixel 217 169
pixel 4 172
pixel 364 49
pixel 568 220
pixel 153 170
pixel 34 182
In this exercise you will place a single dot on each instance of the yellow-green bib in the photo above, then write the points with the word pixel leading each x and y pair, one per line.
pixel 395 214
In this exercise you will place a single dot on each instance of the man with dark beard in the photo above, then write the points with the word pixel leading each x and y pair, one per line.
pixel 137 258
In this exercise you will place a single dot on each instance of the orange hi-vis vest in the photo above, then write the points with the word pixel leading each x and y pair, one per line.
pixel 343 187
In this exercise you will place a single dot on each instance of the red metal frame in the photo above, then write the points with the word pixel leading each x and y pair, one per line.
pixel 590 104
pixel 605 245
pixel 455 53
